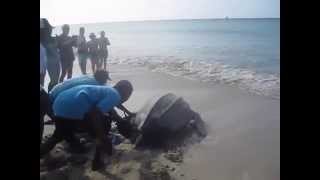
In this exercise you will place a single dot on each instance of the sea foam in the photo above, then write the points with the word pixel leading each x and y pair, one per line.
pixel 258 83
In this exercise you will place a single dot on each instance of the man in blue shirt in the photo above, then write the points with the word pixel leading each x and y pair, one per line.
pixel 84 106
pixel 100 77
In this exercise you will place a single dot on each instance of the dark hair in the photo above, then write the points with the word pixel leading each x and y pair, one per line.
pixel 124 88
pixel 81 29
pixel 101 76
pixel 65 26
pixel 45 32
pixel 92 35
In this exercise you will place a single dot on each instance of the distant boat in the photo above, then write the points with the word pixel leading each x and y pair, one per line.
pixel 226 18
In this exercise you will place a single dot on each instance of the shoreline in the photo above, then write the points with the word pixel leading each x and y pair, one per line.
pixel 266 85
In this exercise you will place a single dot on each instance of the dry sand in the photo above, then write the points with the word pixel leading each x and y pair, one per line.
pixel 243 141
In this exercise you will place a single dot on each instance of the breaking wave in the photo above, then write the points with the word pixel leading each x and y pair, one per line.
pixel 258 83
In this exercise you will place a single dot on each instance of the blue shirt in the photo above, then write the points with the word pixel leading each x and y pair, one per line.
pixel 70 83
pixel 74 103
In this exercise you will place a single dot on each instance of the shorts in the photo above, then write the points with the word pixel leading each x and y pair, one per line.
pixel 103 54
pixel 82 57
pixel 66 64
pixel 94 58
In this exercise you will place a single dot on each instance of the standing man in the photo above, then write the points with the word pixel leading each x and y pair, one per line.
pixel 43 64
pixel 65 44
pixel 51 47
pixel 103 50
pixel 82 51
pixel 84 106
pixel 93 45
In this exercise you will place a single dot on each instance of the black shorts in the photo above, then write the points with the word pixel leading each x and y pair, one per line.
pixel 66 64
pixel 67 126
pixel 103 54
pixel 94 57
pixel 45 103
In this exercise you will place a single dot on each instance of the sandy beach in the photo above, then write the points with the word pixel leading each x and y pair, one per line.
pixel 243 141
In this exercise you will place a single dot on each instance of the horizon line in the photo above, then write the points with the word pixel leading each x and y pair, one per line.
pixel 178 19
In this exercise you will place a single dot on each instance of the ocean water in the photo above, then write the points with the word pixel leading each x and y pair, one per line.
pixel 240 52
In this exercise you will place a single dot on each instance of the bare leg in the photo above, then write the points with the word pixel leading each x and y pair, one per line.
pixel 63 74
pixel 51 142
pixel 93 66
pixel 103 144
pixel 99 60
pixel 105 63
pixel 83 65
pixel 42 76
pixel 54 70
pixel 70 68
pixel 96 63
pixel 45 107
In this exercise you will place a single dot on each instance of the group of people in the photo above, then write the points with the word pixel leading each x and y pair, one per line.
pixel 96 49
pixel 86 103
pixel 89 103
pixel 57 55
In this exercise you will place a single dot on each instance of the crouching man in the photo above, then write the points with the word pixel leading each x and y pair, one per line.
pixel 84 106
pixel 99 78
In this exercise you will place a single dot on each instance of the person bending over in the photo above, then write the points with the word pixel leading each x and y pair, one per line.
pixel 99 78
pixel 84 106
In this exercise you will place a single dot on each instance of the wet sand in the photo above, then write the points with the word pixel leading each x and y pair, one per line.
pixel 244 129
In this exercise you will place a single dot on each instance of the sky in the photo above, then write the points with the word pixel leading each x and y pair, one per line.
pixel 90 11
